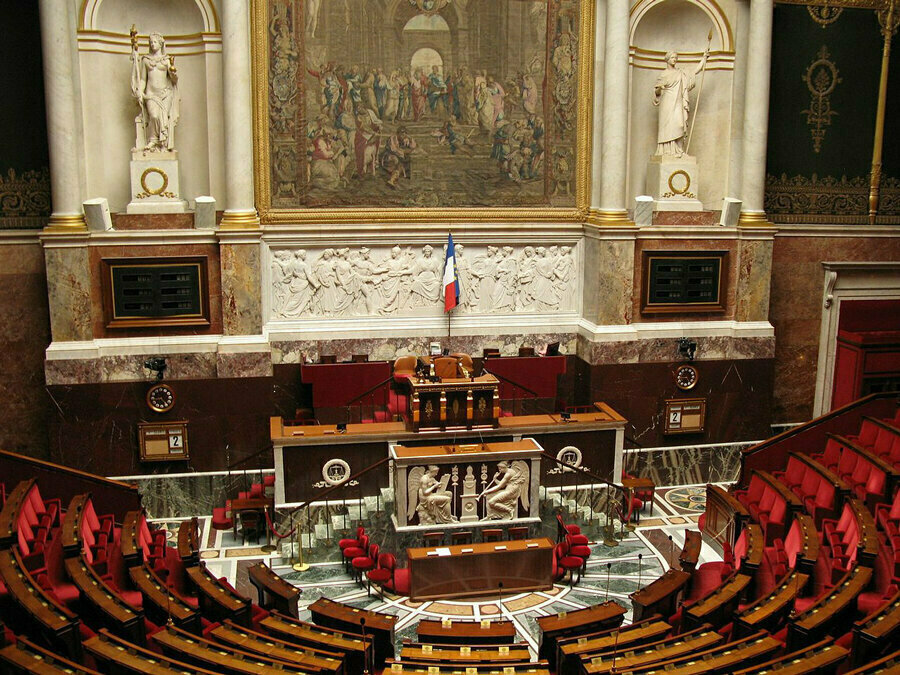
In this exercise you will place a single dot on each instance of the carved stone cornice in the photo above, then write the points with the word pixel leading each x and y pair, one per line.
pixel 829 200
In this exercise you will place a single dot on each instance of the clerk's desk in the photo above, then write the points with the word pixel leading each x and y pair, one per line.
pixel 470 570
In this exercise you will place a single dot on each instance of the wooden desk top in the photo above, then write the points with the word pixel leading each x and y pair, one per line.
pixel 756 544
pixel 331 638
pixel 812 659
pixel 463 654
pixel 434 628
pixel 266 645
pixel 882 621
pixel 189 540
pixel 481 548
pixel 482 380
pixel 407 452
pixel 99 593
pixel 723 594
pixel 722 658
pixel 604 612
pixel 71 525
pixel 53 615
pixel 671 582
pixel 208 585
pixel 352 615
pixel 261 574
pixel 637 483
pixel 10 513
pixel 766 607
pixel 828 606
pixel 157 593
pixel 690 554
pixel 33 658
pixel 252 504
pixel 623 639
pixel 131 548
pixel 809 539
pixel 672 649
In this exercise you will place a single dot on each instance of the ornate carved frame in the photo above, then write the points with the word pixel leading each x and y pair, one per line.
pixel 276 216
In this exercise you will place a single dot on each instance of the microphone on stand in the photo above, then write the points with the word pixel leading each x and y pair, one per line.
pixel 362 626
pixel 640 568
pixel 615 652
pixel 671 552
pixel 500 594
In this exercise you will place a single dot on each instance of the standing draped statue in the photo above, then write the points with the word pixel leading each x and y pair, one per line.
pixel 154 83
pixel 670 95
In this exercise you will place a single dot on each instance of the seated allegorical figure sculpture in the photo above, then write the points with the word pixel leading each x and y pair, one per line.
pixel 510 484
pixel 670 95
pixel 154 83
pixel 429 497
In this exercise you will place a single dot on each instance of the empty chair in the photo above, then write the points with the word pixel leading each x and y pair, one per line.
pixel 251 521
pixel 221 521
pixel 430 539
pixel 352 552
pixel 355 541
pixel 461 537
pixel 518 532
pixel 526 351
pixel 365 563
pixel 491 534
pixel 566 563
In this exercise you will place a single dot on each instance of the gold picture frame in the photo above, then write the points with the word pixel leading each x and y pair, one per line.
pixel 271 214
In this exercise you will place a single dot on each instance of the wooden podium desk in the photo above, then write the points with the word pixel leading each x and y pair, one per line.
pixel 454 402
pixel 477 569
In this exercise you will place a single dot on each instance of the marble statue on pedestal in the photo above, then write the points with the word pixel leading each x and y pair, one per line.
pixel 670 95
pixel 154 160
pixel 673 175
pixel 154 83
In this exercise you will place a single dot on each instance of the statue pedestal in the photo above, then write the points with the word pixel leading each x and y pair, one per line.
pixel 154 183
pixel 673 182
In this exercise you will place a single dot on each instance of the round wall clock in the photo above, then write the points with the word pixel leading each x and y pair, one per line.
pixel 686 377
pixel 160 398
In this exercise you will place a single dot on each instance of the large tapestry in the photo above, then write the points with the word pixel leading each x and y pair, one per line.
pixel 419 104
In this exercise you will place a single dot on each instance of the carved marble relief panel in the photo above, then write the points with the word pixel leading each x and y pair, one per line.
pixel 407 280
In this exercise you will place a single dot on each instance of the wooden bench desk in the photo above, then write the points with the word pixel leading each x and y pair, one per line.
pixel 719 605
pixel 104 603
pixel 59 626
pixel 190 648
pixel 467 632
pixel 380 627
pixel 723 659
pixel 129 538
pixel 9 515
pixel 768 611
pixel 661 595
pixel 874 633
pixel 26 656
pixel 274 592
pixel 725 516
pixel 348 646
pixel 437 653
pixel 478 569
pixel 579 622
pixel 828 612
pixel 285 650
pixel 427 668
pixel 217 601
pixel 116 656
pixel 188 542
pixel 668 649
pixel 821 657
pixel 690 554
pixel 71 525
pixel 161 603
pixel 569 651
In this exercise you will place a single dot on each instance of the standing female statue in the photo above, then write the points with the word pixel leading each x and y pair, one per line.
pixel 154 83
pixel 670 94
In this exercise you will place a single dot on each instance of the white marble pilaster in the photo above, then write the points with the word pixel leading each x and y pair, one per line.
pixel 614 140
pixel 240 209
pixel 599 91
pixel 756 110
pixel 63 110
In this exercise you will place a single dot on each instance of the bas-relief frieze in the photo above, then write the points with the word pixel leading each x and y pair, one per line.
pixel 407 281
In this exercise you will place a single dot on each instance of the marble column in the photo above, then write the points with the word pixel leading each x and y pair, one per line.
pixel 63 116
pixel 599 91
pixel 240 208
pixel 614 140
pixel 756 111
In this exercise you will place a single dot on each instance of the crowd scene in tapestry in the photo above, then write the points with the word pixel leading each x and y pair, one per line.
pixel 345 282
pixel 426 134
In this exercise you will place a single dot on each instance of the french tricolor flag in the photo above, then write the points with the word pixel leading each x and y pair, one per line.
pixel 451 277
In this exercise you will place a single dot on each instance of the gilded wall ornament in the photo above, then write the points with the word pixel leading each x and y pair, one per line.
pixel 821 79
pixel 24 195
pixel 824 15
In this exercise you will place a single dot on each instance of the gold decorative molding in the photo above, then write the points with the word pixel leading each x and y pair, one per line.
pixel 847 4
pixel 65 222
pixel 753 219
pixel 24 199
pixel 821 78
pixel 239 220
pixel 581 162
pixel 829 200
pixel 824 15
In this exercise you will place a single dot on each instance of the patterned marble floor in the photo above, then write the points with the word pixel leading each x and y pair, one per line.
pixel 612 572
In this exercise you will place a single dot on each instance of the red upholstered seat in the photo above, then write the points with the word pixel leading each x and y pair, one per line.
pixel 580 550
pixel 352 552
pixel 219 520
pixel 367 562
pixel 383 572
pixel 355 542
pixel 562 530
pixel 567 563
